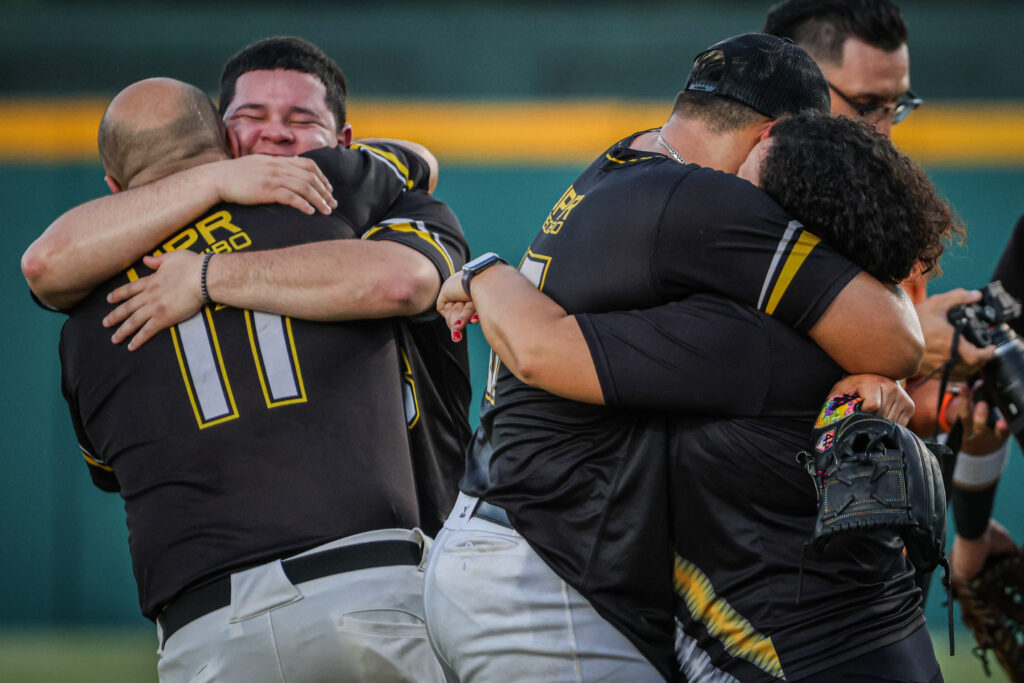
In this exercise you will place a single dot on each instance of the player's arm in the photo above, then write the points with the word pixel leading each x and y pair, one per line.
pixel 532 335
pixel 871 328
pixel 721 234
pixel 395 270
pixel 703 355
pixel 92 242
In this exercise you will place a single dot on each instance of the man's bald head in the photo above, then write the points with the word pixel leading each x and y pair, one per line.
pixel 156 127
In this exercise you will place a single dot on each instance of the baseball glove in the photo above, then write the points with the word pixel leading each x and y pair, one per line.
pixel 993 608
pixel 871 473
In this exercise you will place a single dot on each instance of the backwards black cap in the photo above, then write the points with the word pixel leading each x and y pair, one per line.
pixel 770 75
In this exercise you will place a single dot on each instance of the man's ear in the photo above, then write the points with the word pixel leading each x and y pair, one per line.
pixel 767 132
pixel 114 186
pixel 234 146
pixel 345 135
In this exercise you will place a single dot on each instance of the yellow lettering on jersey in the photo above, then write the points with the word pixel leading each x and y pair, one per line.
pixel 736 634
pixel 218 221
pixel 569 201
pixel 183 240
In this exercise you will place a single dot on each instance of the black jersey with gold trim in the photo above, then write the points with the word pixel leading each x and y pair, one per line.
pixel 635 230
pixel 435 369
pixel 742 508
pixel 236 436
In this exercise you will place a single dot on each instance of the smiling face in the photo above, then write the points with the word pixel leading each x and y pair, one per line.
pixel 282 113
pixel 868 75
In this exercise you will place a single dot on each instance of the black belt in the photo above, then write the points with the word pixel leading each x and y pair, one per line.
pixel 195 603
pixel 492 513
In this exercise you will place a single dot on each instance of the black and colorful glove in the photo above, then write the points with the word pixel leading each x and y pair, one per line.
pixel 871 473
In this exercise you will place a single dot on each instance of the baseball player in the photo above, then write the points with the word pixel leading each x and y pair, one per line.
pixel 546 518
pixel 861 46
pixel 284 96
pixel 743 507
pixel 271 518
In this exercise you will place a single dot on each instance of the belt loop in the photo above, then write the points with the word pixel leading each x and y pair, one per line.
pixel 424 542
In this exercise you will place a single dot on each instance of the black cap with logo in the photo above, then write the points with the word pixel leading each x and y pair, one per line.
pixel 768 74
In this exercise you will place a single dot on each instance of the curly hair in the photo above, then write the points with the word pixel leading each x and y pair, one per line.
pixel 852 188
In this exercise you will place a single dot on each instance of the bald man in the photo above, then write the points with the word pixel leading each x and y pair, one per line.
pixel 272 516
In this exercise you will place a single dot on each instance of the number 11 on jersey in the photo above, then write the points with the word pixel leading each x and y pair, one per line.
pixel 206 380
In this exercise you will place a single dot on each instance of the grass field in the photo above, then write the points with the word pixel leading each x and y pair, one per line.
pixel 129 656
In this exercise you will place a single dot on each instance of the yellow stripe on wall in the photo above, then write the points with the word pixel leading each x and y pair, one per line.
pixel 969 134
pixel 58 129
pixel 526 132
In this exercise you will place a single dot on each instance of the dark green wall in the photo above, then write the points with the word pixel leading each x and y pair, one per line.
pixel 63 544
pixel 465 49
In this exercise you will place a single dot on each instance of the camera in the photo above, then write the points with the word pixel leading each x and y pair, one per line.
pixel 983 324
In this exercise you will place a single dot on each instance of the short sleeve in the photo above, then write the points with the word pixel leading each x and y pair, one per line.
pixel 101 473
pixel 721 234
pixel 702 355
pixel 426 224
pixel 405 163
pixel 366 183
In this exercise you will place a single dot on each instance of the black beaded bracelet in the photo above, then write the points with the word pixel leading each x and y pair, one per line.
pixel 202 279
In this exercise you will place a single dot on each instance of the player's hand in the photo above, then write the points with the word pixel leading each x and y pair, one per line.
pixel 167 297
pixel 966 557
pixel 938 335
pixel 980 437
pixel 457 316
pixel 455 305
pixel 264 179
pixel 881 395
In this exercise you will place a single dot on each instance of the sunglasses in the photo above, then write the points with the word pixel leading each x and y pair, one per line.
pixel 873 113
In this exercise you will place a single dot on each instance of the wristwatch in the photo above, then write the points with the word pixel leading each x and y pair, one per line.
pixel 480 263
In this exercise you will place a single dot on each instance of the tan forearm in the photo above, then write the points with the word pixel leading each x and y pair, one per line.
pixel 92 242
pixel 335 280
pixel 871 328
pixel 536 339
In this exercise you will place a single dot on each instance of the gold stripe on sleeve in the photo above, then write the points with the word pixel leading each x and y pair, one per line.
pixel 409 227
pixel 803 247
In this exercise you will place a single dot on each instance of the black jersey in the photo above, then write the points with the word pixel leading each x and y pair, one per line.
pixel 435 370
pixel 635 230
pixel 742 507
pixel 237 436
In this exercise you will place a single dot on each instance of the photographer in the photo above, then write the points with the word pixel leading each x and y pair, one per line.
pixel 985 562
